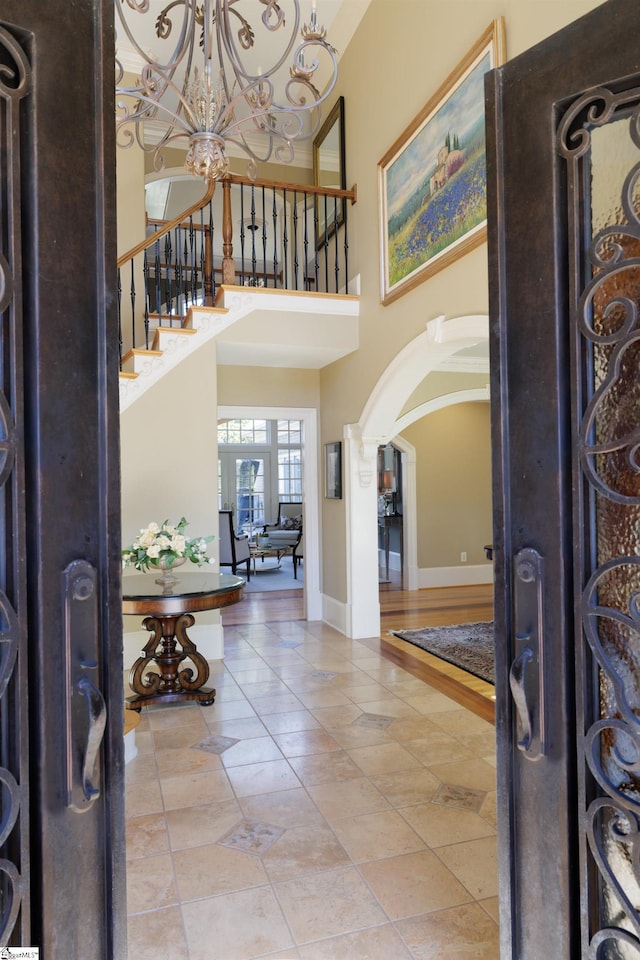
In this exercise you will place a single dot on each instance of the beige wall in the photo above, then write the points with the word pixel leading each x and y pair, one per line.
pixel 268 386
pixel 419 43
pixel 453 481
pixel 169 454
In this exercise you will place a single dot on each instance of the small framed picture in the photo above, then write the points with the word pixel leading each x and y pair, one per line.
pixel 333 470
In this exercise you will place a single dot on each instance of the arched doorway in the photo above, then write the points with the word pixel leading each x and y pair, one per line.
pixel 382 419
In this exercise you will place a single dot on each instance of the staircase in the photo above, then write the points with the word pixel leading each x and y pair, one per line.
pixel 292 306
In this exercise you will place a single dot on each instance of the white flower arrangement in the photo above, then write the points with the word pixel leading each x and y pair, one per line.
pixel 163 545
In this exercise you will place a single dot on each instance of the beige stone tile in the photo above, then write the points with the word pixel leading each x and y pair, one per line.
pixel 414 727
pixel 388 707
pixel 286 808
pixel 384 758
pixel 141 769
pixel 328 904
pixel 185 761
pixel 413 883
pixel 475 774
pixel 229 711
pixel 475 864
pixel 150 883
pixel 253 926
pixel 213 869
pixel 202 824
pixel 195 788
pixel 432 703
pixel 179 738
pixel 302 851
pixel 319 699
pixel 459 934
pixel 325 767
pixel 142 798
pixel 481 744
pixel 359 735
pixel 146 836
pixel 254 778
pixel 373 836
pixel 376 943
pixel 177 715
pixel 439 825
pixel 438 747
pixel 347 798
pixel 243 727
pixel 489 810
pixel 147 934
pixel 336 718
pixel 407 786
pixel 366 692
pixel 305 743
pixel 282 703
pixel 255 750
pixel 463 723
pixel 290 722
pixel 492 907
pixel 144 742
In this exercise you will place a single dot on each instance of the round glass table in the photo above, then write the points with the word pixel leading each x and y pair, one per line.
pixel 168 610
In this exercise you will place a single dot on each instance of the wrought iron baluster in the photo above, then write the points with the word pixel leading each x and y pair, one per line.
pixel 253 228
pixel 275 238
pixel 295 240
pixel 316 244
pixel 119 302
pixel 145 275
pixel 193 282
pixel 285 239
pixel 325 244
pixel 158 287
pixel 264 239
pixel 212 264
pixel 242 236
pixel 336 252
pixel 132 301
pixel 346 250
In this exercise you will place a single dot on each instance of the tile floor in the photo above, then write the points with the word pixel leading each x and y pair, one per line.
pixel 329 805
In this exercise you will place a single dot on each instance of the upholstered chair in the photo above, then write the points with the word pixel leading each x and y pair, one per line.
pixel 234 548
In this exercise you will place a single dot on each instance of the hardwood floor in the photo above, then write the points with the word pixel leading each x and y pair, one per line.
pixel 400 609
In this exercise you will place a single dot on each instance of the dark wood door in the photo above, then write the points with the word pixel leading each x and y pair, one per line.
pixel 61 696
pixel 564 247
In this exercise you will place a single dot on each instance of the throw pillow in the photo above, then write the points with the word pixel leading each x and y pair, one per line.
pixel 291 523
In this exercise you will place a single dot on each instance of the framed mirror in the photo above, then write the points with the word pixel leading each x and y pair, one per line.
pixel 329 171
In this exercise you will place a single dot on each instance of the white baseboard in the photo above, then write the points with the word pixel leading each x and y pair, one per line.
pixel 334 612
pixel 462 576
pixel 208 638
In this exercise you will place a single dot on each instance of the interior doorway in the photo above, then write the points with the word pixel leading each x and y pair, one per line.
pixel 308 416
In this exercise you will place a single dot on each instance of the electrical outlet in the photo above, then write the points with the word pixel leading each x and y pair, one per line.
pixel 463 556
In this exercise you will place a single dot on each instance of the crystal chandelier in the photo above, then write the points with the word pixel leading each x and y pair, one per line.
pixel 209 89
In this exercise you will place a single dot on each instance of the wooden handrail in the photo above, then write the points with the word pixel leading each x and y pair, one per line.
pixel 169 225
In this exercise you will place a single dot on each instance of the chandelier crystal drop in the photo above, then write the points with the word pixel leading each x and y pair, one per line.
pixel 199 81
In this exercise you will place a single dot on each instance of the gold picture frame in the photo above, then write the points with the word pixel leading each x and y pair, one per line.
pixel 432 181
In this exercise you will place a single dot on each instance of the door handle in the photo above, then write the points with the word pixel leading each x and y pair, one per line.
pixel 517 684
pixel 97 719
pixel 526 676
pixel 85 708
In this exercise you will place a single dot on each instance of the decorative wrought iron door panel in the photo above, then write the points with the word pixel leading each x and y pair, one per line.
pixel 564 250
pixel 599 138
pixel 15 86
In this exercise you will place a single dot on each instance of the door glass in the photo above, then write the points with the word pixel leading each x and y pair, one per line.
pixel 250 491
pixel 604 172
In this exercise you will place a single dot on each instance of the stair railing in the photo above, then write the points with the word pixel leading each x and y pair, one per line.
pixel 287 237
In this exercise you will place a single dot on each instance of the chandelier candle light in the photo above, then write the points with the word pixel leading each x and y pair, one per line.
pixel 165 546
pixel 209 88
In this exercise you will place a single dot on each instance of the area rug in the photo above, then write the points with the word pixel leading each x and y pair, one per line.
pixel 465 645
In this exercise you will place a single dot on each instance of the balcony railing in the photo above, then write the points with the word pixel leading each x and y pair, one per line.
pixel 245 233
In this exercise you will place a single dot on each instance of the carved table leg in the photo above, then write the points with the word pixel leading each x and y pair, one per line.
pixel 170 683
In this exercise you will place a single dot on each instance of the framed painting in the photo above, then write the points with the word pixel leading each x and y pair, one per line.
pixel 433 181
pixel 333 470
